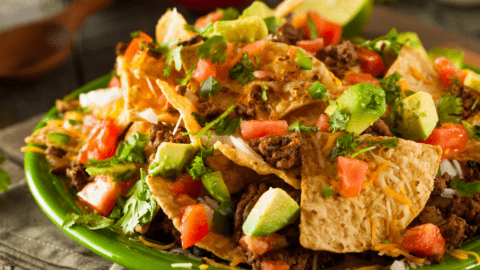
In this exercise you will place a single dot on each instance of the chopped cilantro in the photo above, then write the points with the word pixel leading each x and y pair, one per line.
pixel 473 131
pixel 229 14
pixel 243 70
pixel 209 87
pixel 304 62
pixel 391 87
pixel 210 125
pixel 185 80
pixel 298 127
pixel 214 48
pixel 475 103
pixel 312 28
pixel 199 118
pixel 338 120
pixel 92 221
pixel 227 126
pixel 327 192
pixel 347 144
pixel 449 106
pixel 74 122
pixel 390 39
pixel 264 93
pixel 318 91
pixel 171 55
pixel 204 32
pixel 198 168
pixel 388 143
pixel 468 189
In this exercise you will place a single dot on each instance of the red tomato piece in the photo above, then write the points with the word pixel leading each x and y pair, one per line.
pixel 275 265
pixel 448 72
pixel 135 46
pixel 450 137
pixel 204 69
pixel 101 143
pixel 354 78
pixel 261 245
pixel 209 18
pixel 312 46
pixel 370 61
pixel 101 194
pixel 256 129
pixel 185 184
pixel 424 240
pixel 194 225
pixel 89 121
pixel 292 52
pixel 352 172
pixel 322 123
pixel 162 100
pixel 329 31
pixel 253 48
pixel 114 82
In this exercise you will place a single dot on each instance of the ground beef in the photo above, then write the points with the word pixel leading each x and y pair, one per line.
pixel 379 128
pixel 472 171
pixel 120 48
pixel 338 58
pixel 468 96
pixel 246 112
pixel 440 183
pixel 55 155
pixel 430 214
pixel 210 111
pixel 162 132
pixel 192 41
pixel 63 106
pixel 58 152
pixel 162 229
pixel 436 258
pixel 282 152
pixel 79 177
pixel 465 207
pixel 181 89
pixel 288 34
pixel 454 229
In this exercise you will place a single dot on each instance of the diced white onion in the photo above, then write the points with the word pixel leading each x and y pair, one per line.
pixel 211 202
pixel 209 212
pixel 100 97
pixel 150 86
pixel 149 115
pixel 446 167
pixel 459 168
pixel 241 146
pixel 191 96
pixel 397 265
pixel 214 139
pixel 182 265
pixel 178 124
pixel 448 193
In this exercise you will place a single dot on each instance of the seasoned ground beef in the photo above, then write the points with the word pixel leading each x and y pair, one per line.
pixel 192 41
pixel 468 96
pixel 162 132
pixel 181 89
pixel 246 112
pixel 282 152
pixel 430 214
pixel 472 172
pixel 162 229
pixel 63 106
pixel 338 58
pixel 454 229
pixel 58 152
pixel 288 34
pixel 79 177
pixel 210 111
pixel 120 48
pixel 440 183
pixel 379 128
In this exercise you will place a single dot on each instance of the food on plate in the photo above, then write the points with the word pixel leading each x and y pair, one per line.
pixel 270 142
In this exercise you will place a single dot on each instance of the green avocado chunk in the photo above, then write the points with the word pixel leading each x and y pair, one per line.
pixel 472 80
pixel 274 210
pixel 215 186
pixel 171 159
pixel 125 169
pixel 364 103
pixel 455 57
pixel 419 116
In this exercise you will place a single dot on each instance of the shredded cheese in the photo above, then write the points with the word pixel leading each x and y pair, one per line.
pixel 463 254
pixel 33 149
pixel 150 244
pixel 375 173
pixel 330 142
pixel 150 86
pixel 74 133
pixel 72 115
pixel 390 191
pixel 55 123
pixel 396 249
pixel 335 79
pixel 374 226
pixel 417 75
pixel 475 255
pixel 219 265
pixel 403 192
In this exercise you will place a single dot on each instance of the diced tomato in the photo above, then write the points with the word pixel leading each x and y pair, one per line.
pixel 329 31
pixel 253 48
pixel 448 72
pixel 114 82
pixel 275 265
pixel 209 18
pixel 352 172
pixel 194 225
pixel 101 194
pixel 257 129
pixel 312 46
pixel 354 78
pixel 204 69
pixel 261 245
pixel 101 143
pixel 450 137
pixel 424 240
pixel 292 52
pixel 185 184
pixel 135 46
pixel 322 123
pixel 162 100
pixel 125 186
pixel 89 121
pixel 370 61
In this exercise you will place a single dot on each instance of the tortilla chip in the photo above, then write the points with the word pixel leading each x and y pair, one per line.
pixel 222 246
pixel 170 27
pixel 418 72
pixel 340 224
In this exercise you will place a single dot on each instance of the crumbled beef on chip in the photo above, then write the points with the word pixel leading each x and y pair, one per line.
pixel 64 106
pixel 162 132
pixel 79 176
pixel 379 128
pixel 440 183
pixel 338 58
pixel 246 112
pixel 472 171
pixel 288 34
pixel 468 96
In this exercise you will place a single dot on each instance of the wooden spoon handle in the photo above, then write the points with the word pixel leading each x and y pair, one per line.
pixel 79 10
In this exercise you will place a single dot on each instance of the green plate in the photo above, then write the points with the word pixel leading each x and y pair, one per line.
pixel 56 201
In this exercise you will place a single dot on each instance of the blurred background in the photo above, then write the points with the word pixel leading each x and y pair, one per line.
pixel 94 50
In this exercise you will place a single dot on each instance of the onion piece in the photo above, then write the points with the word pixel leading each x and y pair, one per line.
pixel 178 124
pixel 214 139
pixel 100 97
pixel 459 168
pixel 241 146
pixel 191 96
pixel 448 193
pixel 149 115
pixel 446 167
pixel 397 265
pixel 209 212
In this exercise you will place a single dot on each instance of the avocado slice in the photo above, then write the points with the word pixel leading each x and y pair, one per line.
pixel 472 80
pixel 419 116
pixel 363 102
pixel 455 57
pixel 126 170
pixel 215 186
pixel 245 30
pixel 171 159
pixel 274 210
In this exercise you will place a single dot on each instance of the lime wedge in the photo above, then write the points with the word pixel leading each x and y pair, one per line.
pixel 245 30
pixel 353 15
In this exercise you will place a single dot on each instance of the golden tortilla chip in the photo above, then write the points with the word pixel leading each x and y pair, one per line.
pixel 222 246
pixel 340 224
pixel 418 73
pixel 170 27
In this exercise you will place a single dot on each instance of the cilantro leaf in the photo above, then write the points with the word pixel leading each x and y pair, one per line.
pixel 227 126
pixel 338 120
pixel 198 168
pixel 229 14
pixel 209 87
pixel 304 62
pixel 391 87
pixel 92 221
pixel 475 103
pixel 189 74
pixel 468 189
pixel 327 192
pixel 139 207
pixel 449 106
pixel 171 55
pixel 243 70
pixel 204 32
pixel 210 125
pixel 214 48
pixel 132 149
pixel 83 110
pixel 318 91
pixel 298 127
pixel 199 118
pixel 388 143
pixel 345 144
pixel 391 39
pixel 473 131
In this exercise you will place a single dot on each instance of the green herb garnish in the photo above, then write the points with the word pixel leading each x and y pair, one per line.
pixel 298 127
pixel 209 87
pixel 449 107
pixel 318 91
pixel 214 48
pixel 304 62
pixel 243 70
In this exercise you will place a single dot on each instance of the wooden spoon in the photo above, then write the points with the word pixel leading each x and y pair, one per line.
pixel 34 49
